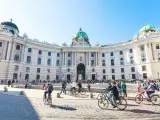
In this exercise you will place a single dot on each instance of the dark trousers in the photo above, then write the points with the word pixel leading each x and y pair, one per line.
pixel 125 93
pixel 45 93
pixel 149 93
pixel 63 90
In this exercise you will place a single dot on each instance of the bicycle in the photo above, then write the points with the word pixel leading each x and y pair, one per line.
pixel 154 98
pixel 47 100
pixel 75 91
pixel 104 100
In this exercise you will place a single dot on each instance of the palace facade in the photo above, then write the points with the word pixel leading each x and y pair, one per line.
pixel 26 59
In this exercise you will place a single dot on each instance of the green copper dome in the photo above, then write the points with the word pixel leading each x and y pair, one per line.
pixel 79 34
pixel 147 28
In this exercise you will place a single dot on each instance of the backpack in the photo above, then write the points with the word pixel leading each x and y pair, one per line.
pixel 50 88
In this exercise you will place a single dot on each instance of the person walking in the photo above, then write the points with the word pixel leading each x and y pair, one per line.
pixel 124 88
pixel 119 87
pixel 63 87
pixel 9 83
pixel 89 87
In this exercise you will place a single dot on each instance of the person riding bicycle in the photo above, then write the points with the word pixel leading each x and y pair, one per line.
pixel 48 89
pixel 113 93
pixel 150 89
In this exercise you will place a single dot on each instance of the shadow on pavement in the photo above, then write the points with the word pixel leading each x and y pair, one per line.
pixel 133 105
pixel 143 111
pixel 16 108
pixel 64 107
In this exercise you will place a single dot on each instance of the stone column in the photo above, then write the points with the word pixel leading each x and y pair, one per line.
pixel 9 50
pixel 75 58
pixel 12 51
pixel 4 50
pixel 22 53
pixel 66 59
pixel 89 59
pixel 72 59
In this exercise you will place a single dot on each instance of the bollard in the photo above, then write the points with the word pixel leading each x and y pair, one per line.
pixel 58 95
pixel 22 93
pixel 5 89
pixel 91 95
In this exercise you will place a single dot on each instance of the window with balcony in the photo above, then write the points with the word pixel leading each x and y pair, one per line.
pixel 104 71
pixel 58 54
pixel 111 54
pixel 121 52
pixel 131 60
pixel 18 47
pixel 113 71
pixel 132 69
pixel 29 50
pixel 123 76
pixel 144 68
pixel 49 61
pixel 28 59
pixel 49 53
pixel 57 63
pixel 157 46
pixel 38 70
pixel 145 75
pixel 39 61
pixel 130 51
pixel 112 62
pixel 121 61
pixel 103 63
pixel 113 77
pixel 27 69
pixel 40 52
pixel 103 55
pixel 17 57
pixel 122 70
pixel 0 44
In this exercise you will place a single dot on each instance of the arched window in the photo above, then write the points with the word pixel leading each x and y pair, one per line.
pixel 49 61
pixel 122 61
pixel 103 63
pixel 28 59
pixel 69 54
pixel 39 61
pixel 112 62
pixel 131 60
pixel 30 50
pixel 16 57
pixel 18 47
pixel 57 63
pixel 92 62
pixel 40 52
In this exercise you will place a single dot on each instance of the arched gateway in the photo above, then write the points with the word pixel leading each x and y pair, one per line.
pixel 80 71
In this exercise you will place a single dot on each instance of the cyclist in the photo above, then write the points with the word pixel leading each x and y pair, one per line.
pixel 48 89
pixel 145 84
pixel 150 89
pixel 113 93
pixel 73 86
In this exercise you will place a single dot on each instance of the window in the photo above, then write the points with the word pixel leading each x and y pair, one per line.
pixel 130 51
pixel 48 77
pixel 69 62
pixel 122 70
pixel 49 53
pixel 103 63
pixel 27 69
pixel 121 52
pixel 68 70
pixel 49 61
pixel 121 61
pixel 17 47
pixel 0 44
pixel 15 76
pixel 39 61
pixel 92 54
pixel 40 52
pixel 113 77
pixel 57 63
pixel 113 71
pixel 92 62
pixel 132 69
pixel 57 77
pixel 123 76
pixel 28 59
pixel 37 77
pixel 143 59
pixel 93 70
pixel 131 60
pixel 104 77
pixel 16 68
pixel 112 62
pixel 143 68
pixel 157 46
pixel 103 55
pixel 16 57
pixel 38 70
pixel 133 76
pixel 111 54
pixel 142 48
pixel 104 71
pixel 69 54
pixel 27 77
pixel 30 50
pixel 58 54
pixel 144 75
pixel 48 70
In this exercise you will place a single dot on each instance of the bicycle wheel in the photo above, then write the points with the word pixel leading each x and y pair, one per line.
pixel 139 99
pixel 50 101
pixel 121 103
pixel 44 99
pixel 83 91
pixel 103 103
pixel 155 99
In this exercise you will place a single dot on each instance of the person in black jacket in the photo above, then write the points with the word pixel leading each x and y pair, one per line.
pixel 63 87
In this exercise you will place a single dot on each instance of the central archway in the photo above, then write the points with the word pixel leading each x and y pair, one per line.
pixel 80 71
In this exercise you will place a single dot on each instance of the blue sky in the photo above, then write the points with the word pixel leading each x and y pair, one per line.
pixel 105 21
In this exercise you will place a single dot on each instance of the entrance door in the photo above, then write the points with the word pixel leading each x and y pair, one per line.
pixel 80 71
pixel 93 76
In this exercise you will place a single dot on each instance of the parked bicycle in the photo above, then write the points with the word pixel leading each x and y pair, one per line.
pixel 154 98
pixel 104 101
pixel 47 100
